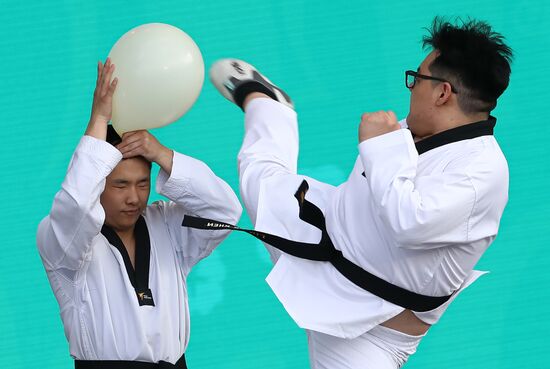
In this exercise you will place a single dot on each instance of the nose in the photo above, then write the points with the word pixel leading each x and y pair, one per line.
pixel 132 197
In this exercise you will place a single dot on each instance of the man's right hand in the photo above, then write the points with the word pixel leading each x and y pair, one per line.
pixel 376 124
pixel 103 101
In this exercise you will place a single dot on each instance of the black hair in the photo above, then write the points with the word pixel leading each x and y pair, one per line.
pixel 114 139
pixel 112 136
pixel 473 58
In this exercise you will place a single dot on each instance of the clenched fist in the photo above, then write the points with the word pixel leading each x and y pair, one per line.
pixel 377 124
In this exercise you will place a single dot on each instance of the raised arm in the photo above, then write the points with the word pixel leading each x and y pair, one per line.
pixel 65 236
pixel 428 212
pixel 192 188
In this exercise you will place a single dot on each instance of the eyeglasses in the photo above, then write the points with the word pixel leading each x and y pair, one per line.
pixel 411 77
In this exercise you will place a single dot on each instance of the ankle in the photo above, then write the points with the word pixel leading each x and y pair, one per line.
pixel 254 95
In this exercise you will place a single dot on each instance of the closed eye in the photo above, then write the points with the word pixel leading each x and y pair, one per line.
pixel 119 184
pixel 144 182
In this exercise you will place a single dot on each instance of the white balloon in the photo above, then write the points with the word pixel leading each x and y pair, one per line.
pixel 160 74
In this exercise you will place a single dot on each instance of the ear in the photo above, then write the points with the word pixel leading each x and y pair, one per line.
pixel 443 92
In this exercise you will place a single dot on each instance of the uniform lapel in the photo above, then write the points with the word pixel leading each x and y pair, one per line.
pixel 139 278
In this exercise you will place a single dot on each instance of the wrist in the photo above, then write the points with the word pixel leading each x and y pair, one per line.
pixel 97 127
pixel 99 118
pixel 163 155
pixel 164 159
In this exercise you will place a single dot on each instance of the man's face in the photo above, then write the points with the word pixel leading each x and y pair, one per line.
pixel 422 100
pixel 126 193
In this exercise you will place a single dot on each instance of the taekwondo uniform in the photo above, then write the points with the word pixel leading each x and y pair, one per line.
pixel 110 312
pixel 417 216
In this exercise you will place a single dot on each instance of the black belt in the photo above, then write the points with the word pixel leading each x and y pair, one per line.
pixel 325 251
pixel 121 364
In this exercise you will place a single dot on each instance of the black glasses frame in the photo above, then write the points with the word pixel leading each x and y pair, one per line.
pixel 417 75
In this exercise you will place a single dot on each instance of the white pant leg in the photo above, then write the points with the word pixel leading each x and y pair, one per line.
pixel 379 348
pixel 270 148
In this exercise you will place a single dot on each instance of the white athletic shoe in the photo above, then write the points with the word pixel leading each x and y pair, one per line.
pixel 235 79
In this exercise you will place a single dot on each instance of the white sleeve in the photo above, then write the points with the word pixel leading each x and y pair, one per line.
pixel 195 190
pixel 64 237
pixel 418 213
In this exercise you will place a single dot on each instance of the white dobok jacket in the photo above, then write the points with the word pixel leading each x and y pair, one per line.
pixel 418 221
pixel 99 306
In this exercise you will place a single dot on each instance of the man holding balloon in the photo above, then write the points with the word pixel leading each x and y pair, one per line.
pixel 116 265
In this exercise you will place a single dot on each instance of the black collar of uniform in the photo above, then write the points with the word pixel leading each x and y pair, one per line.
pixel 140 276
pixel 465 132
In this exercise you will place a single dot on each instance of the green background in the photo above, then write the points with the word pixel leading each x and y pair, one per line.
pixel 336 59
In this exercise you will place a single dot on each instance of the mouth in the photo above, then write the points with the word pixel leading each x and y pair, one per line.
pixel 132 212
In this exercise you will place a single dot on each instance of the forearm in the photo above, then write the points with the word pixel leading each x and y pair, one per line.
pixel 76 215
pixel 97 127
pixel 198 190
pixel 426 212
pixel 165 159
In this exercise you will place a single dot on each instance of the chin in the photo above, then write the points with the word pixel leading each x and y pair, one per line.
pixel 125 225
pixel 131 223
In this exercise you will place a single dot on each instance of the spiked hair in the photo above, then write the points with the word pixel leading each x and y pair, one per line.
pixel 473 58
